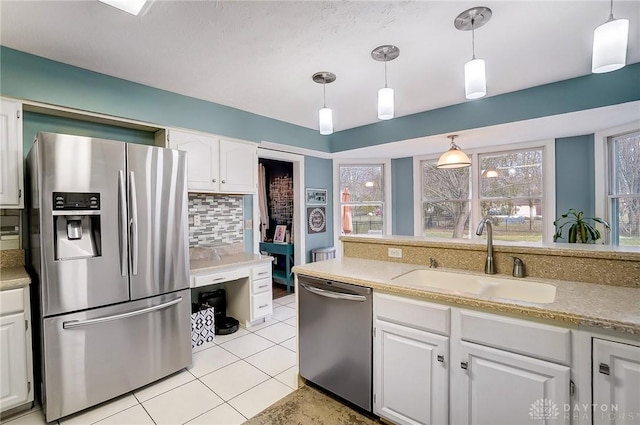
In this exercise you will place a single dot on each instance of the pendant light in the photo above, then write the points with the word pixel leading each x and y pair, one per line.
pixel 610 44
pixel 325 115
pixel 475 77
pixel 454 157
pixel 385 54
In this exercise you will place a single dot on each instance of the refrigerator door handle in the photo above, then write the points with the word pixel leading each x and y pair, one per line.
pixel 122 222
pixel 79 323
pixel 133 223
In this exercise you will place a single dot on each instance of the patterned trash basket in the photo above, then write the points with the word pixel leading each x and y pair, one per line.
pixel 202 329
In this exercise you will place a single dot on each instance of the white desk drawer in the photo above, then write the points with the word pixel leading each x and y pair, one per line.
pixel 261 272
pixel 213 278
pixel 12 301
pixel 261 285
pixel 261 305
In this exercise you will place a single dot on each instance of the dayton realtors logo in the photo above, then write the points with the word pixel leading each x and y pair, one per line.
pixel 544 408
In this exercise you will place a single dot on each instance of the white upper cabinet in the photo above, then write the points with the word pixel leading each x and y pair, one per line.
pixel 11 158
pixel 238 166
pixel 616 382
pixel 217 164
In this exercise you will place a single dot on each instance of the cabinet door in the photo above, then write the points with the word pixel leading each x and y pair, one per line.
pixel 495 387
pixel 11 186
pixel 238 167
pixel 202 159
pixel 13 361
pixel 616 383
pixel 410 375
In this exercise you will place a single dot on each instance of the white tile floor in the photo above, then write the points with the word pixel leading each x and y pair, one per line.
pixel 240 376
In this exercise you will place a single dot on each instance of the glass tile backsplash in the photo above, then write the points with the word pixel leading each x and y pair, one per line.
pixel 215 219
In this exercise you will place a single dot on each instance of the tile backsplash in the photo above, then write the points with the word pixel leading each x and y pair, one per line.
pixel 221 219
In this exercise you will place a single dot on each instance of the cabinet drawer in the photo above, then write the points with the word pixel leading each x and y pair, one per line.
pixel 260 285
pixel 261 305
pixel 411 312
pixel 518 336
pixel 12 301
pixel 261 272
pixel 213 278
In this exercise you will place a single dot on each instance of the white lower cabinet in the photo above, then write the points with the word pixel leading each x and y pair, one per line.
pixel 435 364
pixel 616 383
pixel 16 373
pixel 411 374
pixel 496 387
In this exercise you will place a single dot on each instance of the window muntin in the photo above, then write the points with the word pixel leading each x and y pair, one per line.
pixel 624 198
pixel 362 199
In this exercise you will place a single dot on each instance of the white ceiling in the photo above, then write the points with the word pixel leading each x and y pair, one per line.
pixel 259 55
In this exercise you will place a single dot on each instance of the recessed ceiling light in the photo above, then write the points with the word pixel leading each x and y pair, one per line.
pixel 130 6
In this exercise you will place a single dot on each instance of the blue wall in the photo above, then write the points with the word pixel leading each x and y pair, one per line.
pixel 318 173
pixel 402 196
pixel 588 92
pixel 34 78
pixel 575 175
pixel 32 123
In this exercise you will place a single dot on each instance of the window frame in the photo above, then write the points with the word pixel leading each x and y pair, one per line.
pixel 604 173
pixel 386 202
pixel 548 184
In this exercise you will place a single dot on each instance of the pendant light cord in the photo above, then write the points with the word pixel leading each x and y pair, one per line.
pixel 473 38
pixel 385 71
pixel 611 11
pixel 324 93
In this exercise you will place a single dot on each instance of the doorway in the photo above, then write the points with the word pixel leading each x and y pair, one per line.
pixel 283 184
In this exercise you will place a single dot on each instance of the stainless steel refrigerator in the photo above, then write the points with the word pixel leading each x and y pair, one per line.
pixel 109 245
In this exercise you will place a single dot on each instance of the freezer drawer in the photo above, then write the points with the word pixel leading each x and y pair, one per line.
pixel 96 355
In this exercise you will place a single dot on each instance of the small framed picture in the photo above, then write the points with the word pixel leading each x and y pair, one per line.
pixel 316 196
pixel 278 236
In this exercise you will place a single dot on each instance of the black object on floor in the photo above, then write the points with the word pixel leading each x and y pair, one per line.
pixel 218 300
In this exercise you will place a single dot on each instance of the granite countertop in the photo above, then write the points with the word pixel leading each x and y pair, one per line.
pixel 13 277
pixel 603 306
pixel 226 262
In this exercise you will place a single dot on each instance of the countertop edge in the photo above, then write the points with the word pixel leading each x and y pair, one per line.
pixel 471 301
pixel 14 278
pixel 229 266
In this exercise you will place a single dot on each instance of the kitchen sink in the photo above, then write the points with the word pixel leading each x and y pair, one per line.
pixel 515 289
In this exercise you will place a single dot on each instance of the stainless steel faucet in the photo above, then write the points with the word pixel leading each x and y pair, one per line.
pixel 489 266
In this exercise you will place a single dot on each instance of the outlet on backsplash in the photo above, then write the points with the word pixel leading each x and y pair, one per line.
pixel 395 252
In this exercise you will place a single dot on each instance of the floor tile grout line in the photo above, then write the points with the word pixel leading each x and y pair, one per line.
pixel 115 413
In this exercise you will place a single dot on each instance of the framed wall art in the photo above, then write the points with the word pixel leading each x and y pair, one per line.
pixel 316 220
pixel 279 234
pixel 316 196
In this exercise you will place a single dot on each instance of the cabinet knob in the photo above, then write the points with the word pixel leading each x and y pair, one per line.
pixel 464 365
pixel 214 180
pixel 440 358
pixel 223 181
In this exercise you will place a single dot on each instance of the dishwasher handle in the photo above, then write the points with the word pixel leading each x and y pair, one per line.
pixel 335 295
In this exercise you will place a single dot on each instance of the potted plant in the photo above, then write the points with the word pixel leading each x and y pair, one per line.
pixel 582 229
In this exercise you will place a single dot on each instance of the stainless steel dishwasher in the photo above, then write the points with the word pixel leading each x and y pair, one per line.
pixel 336 338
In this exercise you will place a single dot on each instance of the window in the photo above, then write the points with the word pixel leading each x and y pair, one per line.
pixel 361 199
pixel 507 186
pixel 624 192
pixel 446 203
pixel 511 194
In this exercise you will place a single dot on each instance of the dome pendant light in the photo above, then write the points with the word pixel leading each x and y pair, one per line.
pixel 454 157
pixel 385 54
pixel 475 77
pixel 610 44
pixel 325 115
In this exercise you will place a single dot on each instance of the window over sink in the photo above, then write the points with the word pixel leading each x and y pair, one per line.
pixel 512 187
